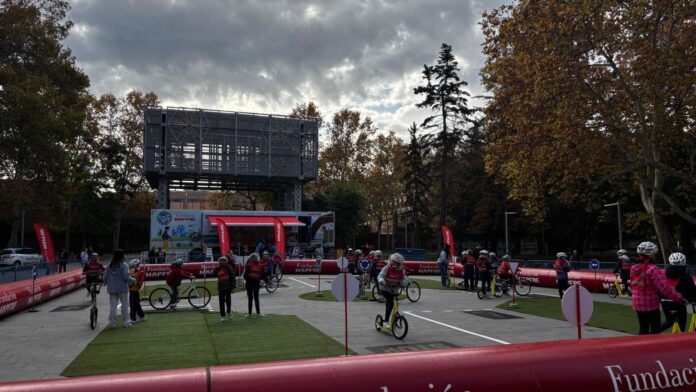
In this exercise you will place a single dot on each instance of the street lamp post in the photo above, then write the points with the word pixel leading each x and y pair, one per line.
pixel 507 248
pixel 618 211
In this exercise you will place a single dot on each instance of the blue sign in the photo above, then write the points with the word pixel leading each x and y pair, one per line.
pixel 34 272
pixel 365 265
pixel 594 264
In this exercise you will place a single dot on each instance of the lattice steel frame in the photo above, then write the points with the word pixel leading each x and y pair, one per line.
pixel 188 148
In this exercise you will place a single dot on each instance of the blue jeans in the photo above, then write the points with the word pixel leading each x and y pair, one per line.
pixel 443 273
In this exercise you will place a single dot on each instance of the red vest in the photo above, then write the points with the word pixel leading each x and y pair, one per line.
pixel 504 267
pixel 673 282
pixel 482 265
pixel 626 265
pixel 255 271
pixel 558 265
pixel 94 270
pixel 394 277
pixel 470 259
pixel 223 275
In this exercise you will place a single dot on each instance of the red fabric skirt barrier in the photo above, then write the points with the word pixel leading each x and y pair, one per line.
pixel 635 363
pixel 18 295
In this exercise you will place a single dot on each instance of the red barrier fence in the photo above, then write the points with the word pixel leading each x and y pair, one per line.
pixel 636 363
pixel 18 295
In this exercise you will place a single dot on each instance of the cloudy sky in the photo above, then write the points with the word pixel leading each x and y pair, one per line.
pixel 267 56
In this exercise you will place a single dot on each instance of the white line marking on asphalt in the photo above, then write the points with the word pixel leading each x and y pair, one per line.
pixel 448 310
pixel 297 280
pixel 458 329
pixel 427 311
pixel 546 295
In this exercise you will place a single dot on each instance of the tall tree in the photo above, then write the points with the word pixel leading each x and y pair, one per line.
pixel 586 93
pixel 308 110
pixel 347 153
pixel 43 96
pixel 383 180
pixel 416 181
pixel 121 149
pixel 444 93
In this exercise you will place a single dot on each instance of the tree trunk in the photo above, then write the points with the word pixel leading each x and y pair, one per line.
pixel 117 226
pixel 379 234
pixel 664 234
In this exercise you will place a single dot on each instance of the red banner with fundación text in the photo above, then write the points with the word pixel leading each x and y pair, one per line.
pixel 223 237
pixel 279 234
pixel 448 239
pixel 45 242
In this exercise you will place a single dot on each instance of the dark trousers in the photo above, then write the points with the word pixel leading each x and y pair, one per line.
pixel 469 277
pixel 62 265
pixel 485 281
pixel 252 289
pixel 649 322
pixel 624 280
pixel 443 273
pixel 562 286
pixel 680 316
pixel 389 296
pixel 175 293
pixel 135 308
pixel 225 301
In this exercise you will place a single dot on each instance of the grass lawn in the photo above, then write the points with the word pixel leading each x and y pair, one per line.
pixel 605 315
pixel 192 339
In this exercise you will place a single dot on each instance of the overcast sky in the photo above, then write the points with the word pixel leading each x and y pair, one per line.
pixel 267 56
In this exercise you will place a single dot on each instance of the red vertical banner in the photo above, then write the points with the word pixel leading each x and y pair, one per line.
pixel 223 237
pixel 279 234
pixel 45 242
pixel 448 239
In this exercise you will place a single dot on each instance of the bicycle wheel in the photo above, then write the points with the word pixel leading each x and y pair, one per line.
pixel 522 287
pixel 400 327
pixel 480 294
pixel 498 291
pixel 413 291
pixel 612 291
pixel 272 284
pixel 93 317
pixel 199 296
pixel 160 298
pixel 378 322
pixel 377 295
pixel 278 271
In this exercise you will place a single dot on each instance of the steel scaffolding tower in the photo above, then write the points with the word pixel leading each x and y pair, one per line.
pixel 215 150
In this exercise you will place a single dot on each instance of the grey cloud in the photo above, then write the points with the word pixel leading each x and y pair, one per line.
pixel 268 56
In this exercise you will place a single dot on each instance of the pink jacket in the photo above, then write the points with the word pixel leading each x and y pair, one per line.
pixel 648 299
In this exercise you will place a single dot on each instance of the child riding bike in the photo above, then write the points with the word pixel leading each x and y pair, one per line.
pixel 93 272
pixel 392 277
pixel 174 277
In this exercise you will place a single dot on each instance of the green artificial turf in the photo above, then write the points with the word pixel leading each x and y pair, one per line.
pixel 605 315
pixel 192 339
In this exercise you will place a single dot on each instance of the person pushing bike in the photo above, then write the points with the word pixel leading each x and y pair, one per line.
pixel 391 279
pixel 623 266
pixel 679 278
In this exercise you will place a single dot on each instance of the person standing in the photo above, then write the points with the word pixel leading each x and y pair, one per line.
pixel 253 274
pixel 484 267
pixel 647 282
pixel 442 263
pixel 562 267
pixel 469 269
pixel 63 260
pixel 84 257
pixel 135 309
pixel 679 278
pixel 117 280
pixel 623 266
pixel 226 283
pixel 575 256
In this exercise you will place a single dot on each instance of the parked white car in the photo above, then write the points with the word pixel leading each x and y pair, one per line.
pixel 19 256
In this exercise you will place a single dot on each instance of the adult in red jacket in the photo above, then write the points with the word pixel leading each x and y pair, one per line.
pixel 253 274
pixel 505 272
pixel 469 269
pixel 562 267
pixel 647 282
pixel 174 277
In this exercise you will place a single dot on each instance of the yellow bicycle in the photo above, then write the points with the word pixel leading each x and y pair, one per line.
pixel 615 289
pixel 398 326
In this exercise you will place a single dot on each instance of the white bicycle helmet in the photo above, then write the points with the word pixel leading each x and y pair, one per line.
pixel 621 252
pixel 624 257
pixel 465 252
pixel 396 258
pixel 378 253
pixel 647 248
pixel 561 255
pixel 492 254
pixel 483 253
pixel 677 259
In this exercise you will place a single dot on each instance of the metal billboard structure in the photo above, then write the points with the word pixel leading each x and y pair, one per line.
pixel 196 149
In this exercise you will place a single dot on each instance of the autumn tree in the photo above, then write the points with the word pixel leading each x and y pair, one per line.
pixel 383 181
pixel 347 153
pixel 43 96
pixel 121 148
pixel 444 93
pixel 594 92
